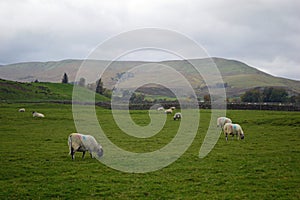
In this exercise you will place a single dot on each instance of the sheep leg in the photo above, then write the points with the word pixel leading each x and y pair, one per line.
pixel 72 153
pixel 238 135
pixel 83 154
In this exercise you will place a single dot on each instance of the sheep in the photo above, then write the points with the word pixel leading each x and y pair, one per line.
pixel 177 116
pixel 172 108
pixel 168 111
pixel 221 121
pixel 160 108
pixel 82 143
pixel 36 114
pixel 233 129
pixel 22 110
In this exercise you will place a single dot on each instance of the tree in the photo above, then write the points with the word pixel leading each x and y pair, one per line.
pixel 81 82
pixel 107 93
pixel 206 98
pixel 253 95
pixel 269 94
pixel 99 87
pixel 275 95
pixel 65 78
pixel 279 95
pixel 295 99
pixel 137 98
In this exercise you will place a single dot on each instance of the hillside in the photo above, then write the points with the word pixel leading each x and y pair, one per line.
pixel 28 92
pixel 238 76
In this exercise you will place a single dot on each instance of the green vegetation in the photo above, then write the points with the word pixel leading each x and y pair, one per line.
pixel 269 94
pixel 35 163
pixel 31 92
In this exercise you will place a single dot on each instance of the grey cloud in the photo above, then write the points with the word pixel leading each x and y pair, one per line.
pixel 263 33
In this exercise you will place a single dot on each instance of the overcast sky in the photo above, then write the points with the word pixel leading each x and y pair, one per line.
pixel 262 33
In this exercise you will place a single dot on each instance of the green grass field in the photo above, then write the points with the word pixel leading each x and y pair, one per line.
pixel 35 163
pixel 11 91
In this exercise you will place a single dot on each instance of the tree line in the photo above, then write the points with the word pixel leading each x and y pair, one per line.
pixel 269 95
pixel 97 86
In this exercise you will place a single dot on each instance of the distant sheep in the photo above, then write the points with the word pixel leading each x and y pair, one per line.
pixel 22 110
pixel 173 108
pixel 36 114
pixel 160 108
pixel 177 116
pixel 221 121
pixel 168 111
pixel 82 143
pixel 233 129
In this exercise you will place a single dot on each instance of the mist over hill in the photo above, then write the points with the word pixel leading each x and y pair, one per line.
pixel 237 76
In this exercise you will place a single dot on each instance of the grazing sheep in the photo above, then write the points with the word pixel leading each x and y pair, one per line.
pixel 221 121
pixel 177 116
pixel 22 110
pixel 172 108
pixel 36 114
pixel 233 129
pixel 168 111
pixel 160 108
pixel 82 143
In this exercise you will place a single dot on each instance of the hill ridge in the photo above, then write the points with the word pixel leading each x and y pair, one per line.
pixel 237 75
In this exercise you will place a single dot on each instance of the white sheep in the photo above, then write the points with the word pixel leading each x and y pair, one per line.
pixel 233 129
pixel 168 111
pixel 160 108
pixel 22 110
pixel 36 114
pixel 82 143
pixel 221 121
pixel 172 108
pixel 177 116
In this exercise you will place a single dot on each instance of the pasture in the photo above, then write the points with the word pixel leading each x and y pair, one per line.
pixel 35 163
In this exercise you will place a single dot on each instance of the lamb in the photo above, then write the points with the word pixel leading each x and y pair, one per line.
pixel 221 121
pixel 168 111
pixel 177 116
pixel 36 114
pixel 233 129
pixel 22 110
pixel 82 143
